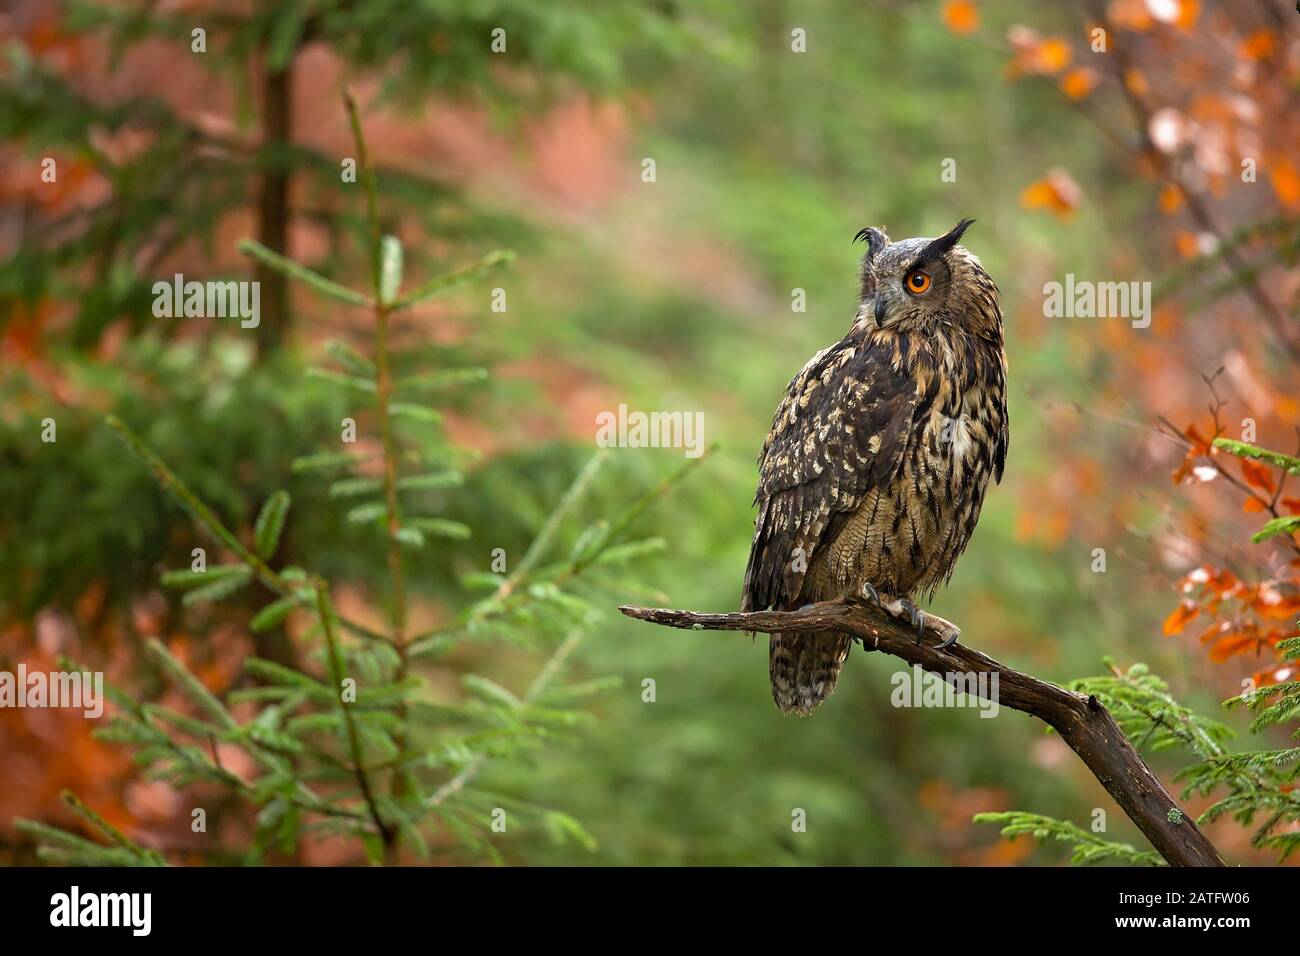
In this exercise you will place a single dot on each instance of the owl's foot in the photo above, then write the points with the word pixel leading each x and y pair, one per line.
pixel 903 607
pixel 896 607
pixel 907 610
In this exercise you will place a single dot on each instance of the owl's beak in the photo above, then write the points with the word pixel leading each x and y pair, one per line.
pixel 880 310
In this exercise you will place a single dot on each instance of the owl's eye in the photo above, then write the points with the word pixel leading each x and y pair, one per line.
pixel 917 281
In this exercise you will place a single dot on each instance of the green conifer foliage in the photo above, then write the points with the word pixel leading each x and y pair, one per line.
pixel 354 741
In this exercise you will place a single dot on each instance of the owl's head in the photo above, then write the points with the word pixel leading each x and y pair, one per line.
pixel 926 286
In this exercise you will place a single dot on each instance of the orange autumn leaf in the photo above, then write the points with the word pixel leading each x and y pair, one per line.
pixel 1231 646
pixel 1258 46
pixel 1272 603
pixel 1136 82
pixel 1186 467
pixel 1034 54
pixel 1178 618
pixel 1252 505
pixel 1219 583
pixel 1166 318
pixel 1215 630
pixel 1079 82
pixel 1291 504
pixel 1284 176
pixel 48 36
pixel 1188 11
pixel 1285 610
pixel 1171 200
pixel 1193 465
pixel 1130 14
pixel 1053 55
pixel 1277 674
pixel 1200 444
pixel 960 16
pixel 1257 475
pixel 1006 852
pixel 1187 245
pixel 1225 583
pixel 1056 192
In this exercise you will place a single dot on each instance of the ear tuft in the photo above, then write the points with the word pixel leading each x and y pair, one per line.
pixel 874 238
pixel 937 248
pixel 959 230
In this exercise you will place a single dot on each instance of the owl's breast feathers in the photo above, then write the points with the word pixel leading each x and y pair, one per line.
pixel 876 465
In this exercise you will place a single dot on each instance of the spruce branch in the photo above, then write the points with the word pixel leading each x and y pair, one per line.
pixel 325 612
pixel 69 849
pixel 191 685
pixel 511 593
pixel 667 484
pixel 1086 847
pixel 175 488
pixel 226 723
pixel 136 723
pixel 115 836
pixel 371 186
pixel 1287 463
pixel 543 679
pixel 393 514
pixel 500 600
pixel 542 541
pixel 445 283
pixel 296 270
pixel 386 277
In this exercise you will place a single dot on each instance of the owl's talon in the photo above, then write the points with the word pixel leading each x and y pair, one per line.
pixel 948 641
pixel 904 608
pixel 869 591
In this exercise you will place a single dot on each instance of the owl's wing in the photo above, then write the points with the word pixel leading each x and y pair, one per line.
pixel 840 432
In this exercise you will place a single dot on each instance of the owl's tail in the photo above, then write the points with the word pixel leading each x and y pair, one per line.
pixel 803 668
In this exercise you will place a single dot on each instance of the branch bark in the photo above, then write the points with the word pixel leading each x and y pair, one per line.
pixel 1083 722
pixel 273 205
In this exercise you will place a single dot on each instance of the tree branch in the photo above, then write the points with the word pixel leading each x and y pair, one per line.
pixel 273 203
pixel 325 611
pixel 1083 722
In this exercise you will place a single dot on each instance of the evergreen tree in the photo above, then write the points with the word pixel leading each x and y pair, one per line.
pixel 354 743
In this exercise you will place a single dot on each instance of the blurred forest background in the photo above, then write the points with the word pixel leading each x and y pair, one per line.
pixel 777 128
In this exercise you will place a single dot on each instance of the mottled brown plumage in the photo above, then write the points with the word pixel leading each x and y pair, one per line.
pixel 879 454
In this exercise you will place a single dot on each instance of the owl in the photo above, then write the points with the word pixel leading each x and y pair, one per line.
pixel 873 474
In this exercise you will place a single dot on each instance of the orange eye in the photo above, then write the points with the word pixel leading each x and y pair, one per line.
pixel 917 282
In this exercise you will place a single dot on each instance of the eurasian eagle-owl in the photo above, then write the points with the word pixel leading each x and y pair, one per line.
pixel 872 477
